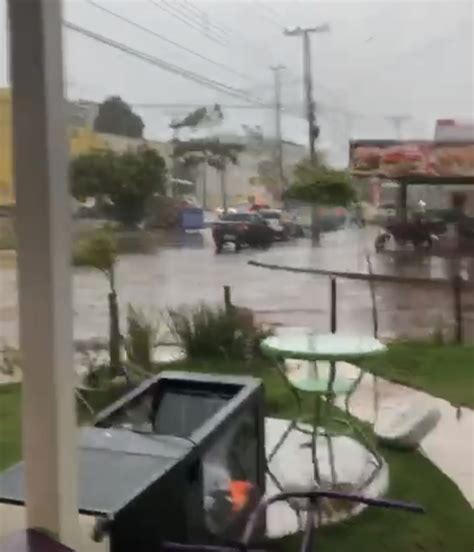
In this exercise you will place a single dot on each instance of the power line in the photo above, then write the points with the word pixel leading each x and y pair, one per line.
pixel 148 105
pixel 268 15
pixel 185 12
pixel 190 75
pixel 166 7
pixel 203 17
pixel 226 33
pixel 168 40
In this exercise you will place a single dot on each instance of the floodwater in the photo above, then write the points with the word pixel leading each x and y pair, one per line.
pixel 184 270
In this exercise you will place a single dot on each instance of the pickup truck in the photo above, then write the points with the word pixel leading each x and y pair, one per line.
pixel 243 230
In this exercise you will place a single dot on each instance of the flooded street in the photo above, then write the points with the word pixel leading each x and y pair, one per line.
pixel 186 271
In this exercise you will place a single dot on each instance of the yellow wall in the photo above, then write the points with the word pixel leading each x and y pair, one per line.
pixel 81 140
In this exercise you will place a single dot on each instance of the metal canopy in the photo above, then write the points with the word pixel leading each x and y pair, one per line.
pixel 414 179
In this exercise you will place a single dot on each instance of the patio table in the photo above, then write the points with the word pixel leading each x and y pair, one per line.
pixel 305 344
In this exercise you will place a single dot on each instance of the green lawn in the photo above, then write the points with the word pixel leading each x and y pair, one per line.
pixel 10 424
pixel 447 527
pixel 445 371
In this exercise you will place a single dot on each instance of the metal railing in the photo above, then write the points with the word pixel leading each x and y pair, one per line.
pixel 456 285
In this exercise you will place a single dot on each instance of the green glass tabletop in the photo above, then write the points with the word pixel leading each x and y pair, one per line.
pixel 313 346
pixel 340 386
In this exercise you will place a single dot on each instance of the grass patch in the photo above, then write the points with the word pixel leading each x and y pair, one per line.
pixel 10 417
pixel 447 527
pixel 10 424
pixel 445 371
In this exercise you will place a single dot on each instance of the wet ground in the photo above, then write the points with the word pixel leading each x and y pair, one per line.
pixel 184 270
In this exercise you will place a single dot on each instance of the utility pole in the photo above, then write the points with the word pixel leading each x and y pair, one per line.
pixel 204 185
pixel 223 188
pixel 278 137
pixel 397 121
pixel 313 128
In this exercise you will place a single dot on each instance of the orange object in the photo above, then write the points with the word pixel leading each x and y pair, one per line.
pixel 239 493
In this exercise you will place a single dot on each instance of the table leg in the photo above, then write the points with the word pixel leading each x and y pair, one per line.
pixel 329 403
pixel 314 437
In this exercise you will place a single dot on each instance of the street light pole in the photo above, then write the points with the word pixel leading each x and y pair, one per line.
pixel 313 128
pixel 278 136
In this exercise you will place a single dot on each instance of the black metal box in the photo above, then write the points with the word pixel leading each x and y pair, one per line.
pixel 180 458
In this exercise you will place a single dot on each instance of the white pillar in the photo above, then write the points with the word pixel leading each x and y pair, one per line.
pixel 44 267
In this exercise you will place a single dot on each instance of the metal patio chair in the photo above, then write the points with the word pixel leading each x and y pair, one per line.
pixel 309 540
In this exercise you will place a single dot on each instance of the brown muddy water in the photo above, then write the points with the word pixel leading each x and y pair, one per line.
pixel 158 272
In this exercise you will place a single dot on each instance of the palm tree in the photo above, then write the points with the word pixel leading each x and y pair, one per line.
pixel 210 152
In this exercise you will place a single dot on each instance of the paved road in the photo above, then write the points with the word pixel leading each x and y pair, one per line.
pixel 183 271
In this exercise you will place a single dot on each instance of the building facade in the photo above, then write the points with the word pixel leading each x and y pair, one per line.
pixel 248 177
pixel 82 139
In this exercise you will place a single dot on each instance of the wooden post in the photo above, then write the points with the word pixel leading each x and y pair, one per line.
pixel 333 304
pixel 457 303
pixel 402 201
pixel 373 297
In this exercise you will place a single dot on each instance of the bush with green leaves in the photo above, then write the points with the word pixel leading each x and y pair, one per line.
pixel 121 183
pixel 99 250
pixel 213 332
pixel 321 185
pixel 140 340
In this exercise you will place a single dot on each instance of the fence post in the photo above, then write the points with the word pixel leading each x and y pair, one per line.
pixel 333 304
pixel 457 303
pixel 227 299
pixel 373 298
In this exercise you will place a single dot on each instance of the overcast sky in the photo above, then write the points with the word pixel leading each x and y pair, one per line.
pixel 380 59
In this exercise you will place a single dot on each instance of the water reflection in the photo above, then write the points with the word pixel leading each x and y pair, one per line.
pixel 145 242
pixel 160 270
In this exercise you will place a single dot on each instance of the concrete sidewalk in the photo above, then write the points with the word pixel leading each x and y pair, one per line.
pixel 450 446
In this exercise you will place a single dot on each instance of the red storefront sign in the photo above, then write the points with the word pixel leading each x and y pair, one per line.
pixel 401 159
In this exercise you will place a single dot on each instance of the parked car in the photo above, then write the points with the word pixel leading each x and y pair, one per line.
pixel 242 230
pixel 277 223
pixel 284 225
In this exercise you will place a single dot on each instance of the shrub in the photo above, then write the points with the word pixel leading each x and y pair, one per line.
pixel 141 339
pixel 216 332
pixel 97 249
pixel 10 360
pixel 7 235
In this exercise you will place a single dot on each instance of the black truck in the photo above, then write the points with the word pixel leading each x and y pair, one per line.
pixel 243 230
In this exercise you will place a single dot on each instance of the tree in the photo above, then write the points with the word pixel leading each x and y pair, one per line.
pixel 99 251
pixel 321 185
pixel 214 153
pixel 116 117
pixel 122 182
